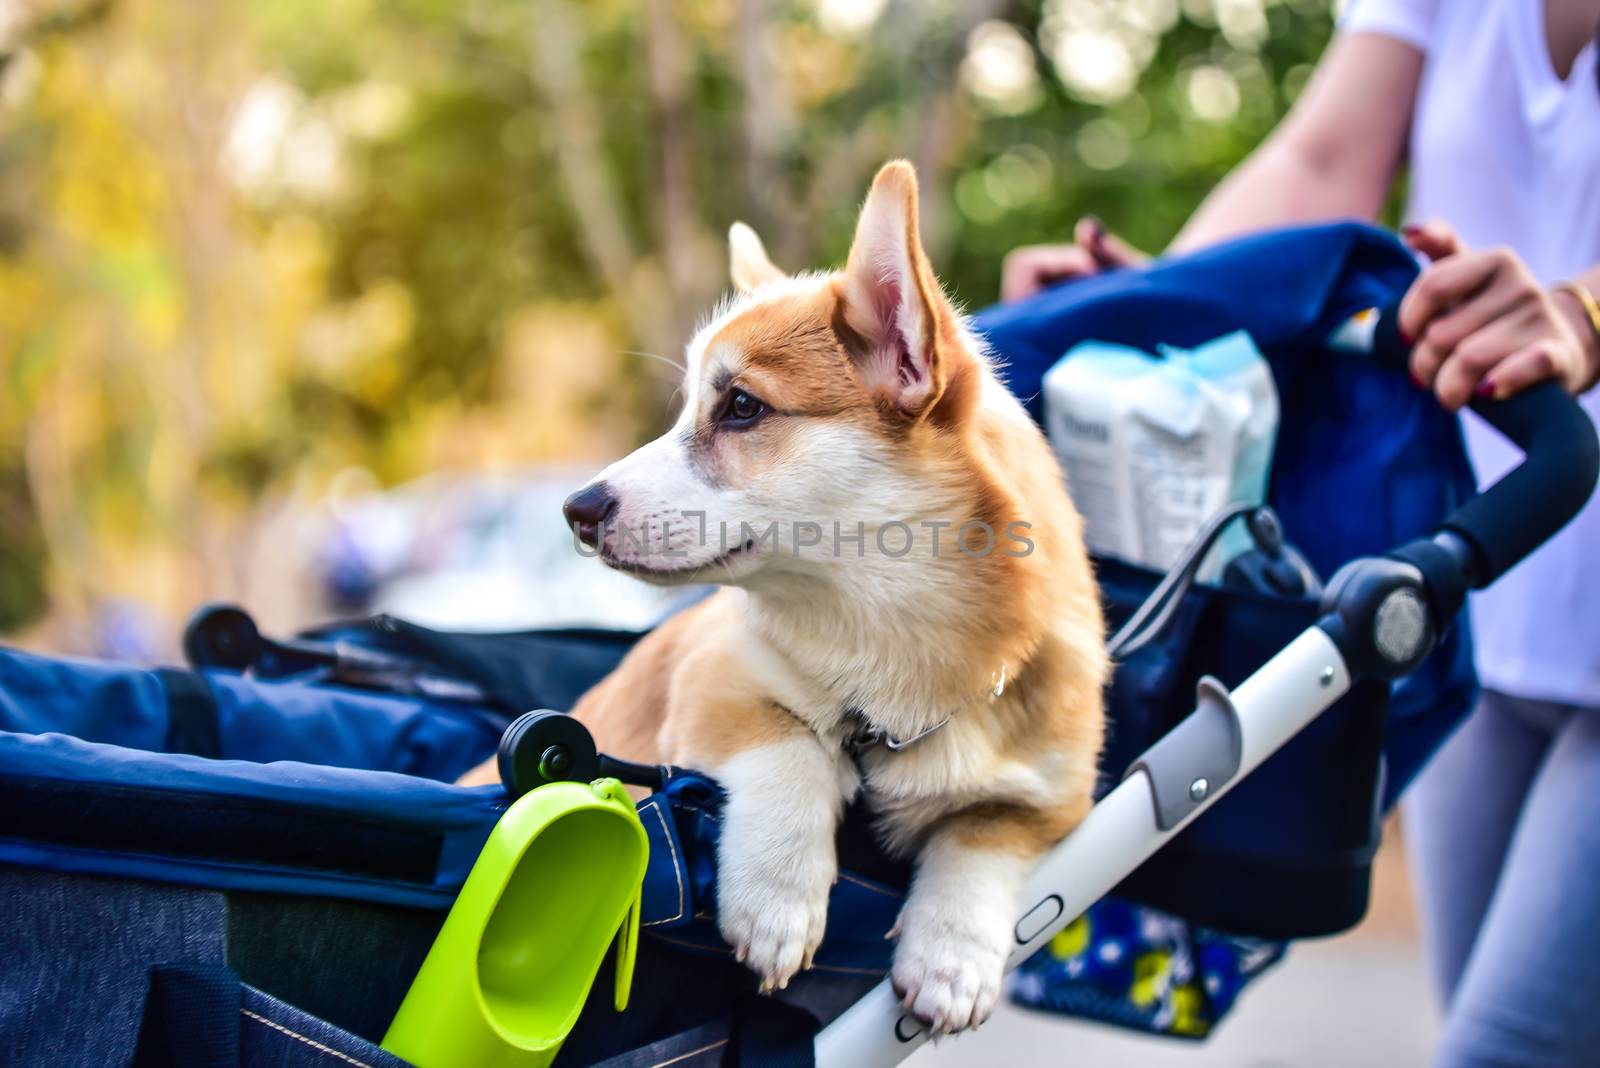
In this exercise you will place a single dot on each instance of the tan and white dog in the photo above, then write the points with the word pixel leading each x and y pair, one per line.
pixel 844 457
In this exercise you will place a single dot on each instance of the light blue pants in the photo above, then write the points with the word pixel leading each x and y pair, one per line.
pixel 1504 833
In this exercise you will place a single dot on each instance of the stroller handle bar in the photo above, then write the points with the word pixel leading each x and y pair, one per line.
pixel 1127 826
pixel 1561 461
pixel 1381 617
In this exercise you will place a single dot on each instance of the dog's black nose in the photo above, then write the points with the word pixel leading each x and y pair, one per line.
pixel 587 509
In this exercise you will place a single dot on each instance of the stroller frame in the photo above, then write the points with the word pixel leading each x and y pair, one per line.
pixel 1381 618
pixel 1129 824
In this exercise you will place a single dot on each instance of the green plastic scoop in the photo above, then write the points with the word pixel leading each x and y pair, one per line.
pixel 558 881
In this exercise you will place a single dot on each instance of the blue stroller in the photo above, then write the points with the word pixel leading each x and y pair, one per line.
pixel 244 862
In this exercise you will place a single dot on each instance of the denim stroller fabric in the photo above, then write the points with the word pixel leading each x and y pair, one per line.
pixel 77 958
pixel 111 971
pixel 289 827
pixel 257 720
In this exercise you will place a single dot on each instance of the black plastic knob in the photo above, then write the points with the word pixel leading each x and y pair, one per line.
pixel 221 636
pixel 543 747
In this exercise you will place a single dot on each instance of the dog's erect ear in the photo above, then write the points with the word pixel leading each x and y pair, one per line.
pixel 748 261
pixel 891 299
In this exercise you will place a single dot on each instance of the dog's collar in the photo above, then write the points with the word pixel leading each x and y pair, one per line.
pixel 866 735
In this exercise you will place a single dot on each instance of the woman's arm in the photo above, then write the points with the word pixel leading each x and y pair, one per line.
pixel 1334 156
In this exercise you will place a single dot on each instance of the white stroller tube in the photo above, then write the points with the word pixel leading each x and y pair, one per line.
pixel 1119 834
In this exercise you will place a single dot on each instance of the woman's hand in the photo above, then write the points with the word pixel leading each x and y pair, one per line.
pixel 1031 268
pixel 1485 327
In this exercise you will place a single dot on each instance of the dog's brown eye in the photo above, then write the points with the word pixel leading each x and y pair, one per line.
pixel 743 409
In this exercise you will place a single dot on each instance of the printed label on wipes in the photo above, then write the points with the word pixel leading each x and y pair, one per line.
pixel 1153 447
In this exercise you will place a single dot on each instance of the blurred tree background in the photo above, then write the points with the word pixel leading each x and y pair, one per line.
pixel 260 253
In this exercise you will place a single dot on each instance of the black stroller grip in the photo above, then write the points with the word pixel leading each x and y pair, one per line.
pixel 1527 507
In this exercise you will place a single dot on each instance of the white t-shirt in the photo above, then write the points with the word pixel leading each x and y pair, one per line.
pixel 1509 154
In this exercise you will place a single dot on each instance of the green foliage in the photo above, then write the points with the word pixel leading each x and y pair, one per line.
pixel 22 552
pixel 1028 179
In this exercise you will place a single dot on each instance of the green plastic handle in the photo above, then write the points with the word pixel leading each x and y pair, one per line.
pixel 628 950
pixel 558 880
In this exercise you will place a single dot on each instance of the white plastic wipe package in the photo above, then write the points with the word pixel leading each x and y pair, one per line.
pixel 1153 447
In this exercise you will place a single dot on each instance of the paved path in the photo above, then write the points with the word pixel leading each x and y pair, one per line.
pixel 1361 1000
pixel 1344 1003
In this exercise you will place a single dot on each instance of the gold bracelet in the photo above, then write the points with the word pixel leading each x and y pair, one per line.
pixel 1591 311
pixel 1591 307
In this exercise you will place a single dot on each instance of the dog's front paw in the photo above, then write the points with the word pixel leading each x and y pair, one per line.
pixel 947 968
pixel 773 916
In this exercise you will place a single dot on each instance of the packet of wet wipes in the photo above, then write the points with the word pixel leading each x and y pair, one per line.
pixel 1153 446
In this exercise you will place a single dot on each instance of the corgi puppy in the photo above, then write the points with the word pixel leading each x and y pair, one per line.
pixel 908 610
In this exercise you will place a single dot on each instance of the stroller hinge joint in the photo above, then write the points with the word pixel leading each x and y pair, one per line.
pixel 1196 758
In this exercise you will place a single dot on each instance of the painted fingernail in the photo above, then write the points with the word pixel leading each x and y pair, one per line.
pixel 1411 229
pixel 1416 381
pixel 1486 388
pixel 1097 235
pixel 1405 339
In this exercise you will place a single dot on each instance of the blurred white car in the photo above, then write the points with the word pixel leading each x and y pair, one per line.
pixel 478 552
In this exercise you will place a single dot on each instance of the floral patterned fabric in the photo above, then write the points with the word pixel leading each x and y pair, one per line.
pixel 1142 969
